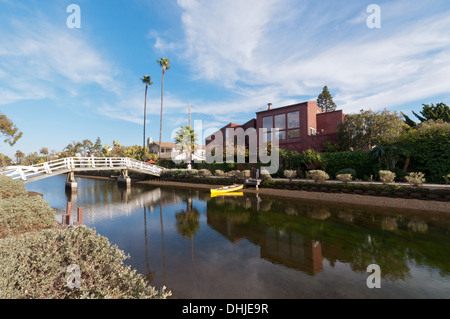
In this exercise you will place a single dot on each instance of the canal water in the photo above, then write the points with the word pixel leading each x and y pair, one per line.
pixel 261 247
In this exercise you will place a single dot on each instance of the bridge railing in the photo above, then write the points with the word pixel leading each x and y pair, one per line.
pixel 78 164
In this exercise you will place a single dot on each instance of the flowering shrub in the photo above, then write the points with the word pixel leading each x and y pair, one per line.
pixel 345 178
pixel 318 175
pixel 386 176
pixel 415 178
pixel 290 174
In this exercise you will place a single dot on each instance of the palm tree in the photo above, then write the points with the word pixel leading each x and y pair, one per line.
pixel 186 140
pixel 164 63
pixel 147 80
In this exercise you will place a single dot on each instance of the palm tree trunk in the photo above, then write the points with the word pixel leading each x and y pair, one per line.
pixel 145 114
pixel 160 121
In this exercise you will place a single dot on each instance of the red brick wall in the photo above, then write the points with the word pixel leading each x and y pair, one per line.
pixel 329 122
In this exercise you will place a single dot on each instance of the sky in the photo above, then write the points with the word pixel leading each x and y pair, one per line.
pixel 229 59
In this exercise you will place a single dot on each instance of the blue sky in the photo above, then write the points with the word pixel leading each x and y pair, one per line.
pixel 229 59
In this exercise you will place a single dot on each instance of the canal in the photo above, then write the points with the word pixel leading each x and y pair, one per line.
pixel 261 247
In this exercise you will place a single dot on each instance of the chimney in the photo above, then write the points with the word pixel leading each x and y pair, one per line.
pixel 270 106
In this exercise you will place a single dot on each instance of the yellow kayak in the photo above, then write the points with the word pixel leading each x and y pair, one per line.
pixel 228 194
pixel 226 189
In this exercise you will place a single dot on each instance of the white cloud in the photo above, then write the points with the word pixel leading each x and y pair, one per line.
pixel 256 49
pixel 49 58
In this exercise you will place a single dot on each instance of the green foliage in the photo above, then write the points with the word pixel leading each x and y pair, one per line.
pixel 10 188
pixel 4 160
pixel 346 171
pixel 364 130
pixel 386 176
pixel 290 174
pixel 8 129
pixel 21 214
pixel 311 159
pixel 34 266
pixel 325 101
pixel 360 161
pixel 318 176
pixel 430 149
pixel 415 178
pixel 345 178
pixel 436 112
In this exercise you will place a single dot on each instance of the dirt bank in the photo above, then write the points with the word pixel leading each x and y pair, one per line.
pixel 414 206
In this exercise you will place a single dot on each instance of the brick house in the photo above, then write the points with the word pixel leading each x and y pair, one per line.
pixel 301 126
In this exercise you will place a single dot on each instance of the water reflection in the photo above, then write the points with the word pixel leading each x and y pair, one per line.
pixel 257 247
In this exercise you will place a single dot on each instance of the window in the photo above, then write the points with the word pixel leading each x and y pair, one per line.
pixel 268 123
pixel 312 131
pixel 281 135
pixel 293 134
pixel 280 121
pixel 293 119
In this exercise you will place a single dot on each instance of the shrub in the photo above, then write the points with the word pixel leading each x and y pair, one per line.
pixel 312 159
pixel 290 174
pixel 246 173
pixel 204 173
pixel 415 178
pixel 219 173
pixel 447 178
pixel 34 266
pixel 346 171
pixel 25 214
pixel 10 188
pixel 360 161
pixel 318 176
pixel 345 178
pixel 386 176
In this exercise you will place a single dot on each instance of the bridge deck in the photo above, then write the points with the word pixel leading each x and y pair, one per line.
pixel 77 164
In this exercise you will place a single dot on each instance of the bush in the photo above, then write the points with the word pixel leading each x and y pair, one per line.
pixel 447 178
pixel 311 159
pixel 219 173
pixel 290 174
pixel 34 266
pixel 318 176
pixel 386 176
pixel 10 188
pixel 25 214
pixel 204 173
pixel 415 178
pixel 346 171
pixel 246 173
pixel 360 161
pixel 345 178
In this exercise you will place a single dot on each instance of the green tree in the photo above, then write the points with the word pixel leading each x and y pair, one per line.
pixel 8 129
pixel 186 140
pixel 164 63
pixel 44 151
pixel 147 81
pixel 325 101
pixel 4 160
pixel 19 156
pixel 97 148
pixel 439 111
pixel 367 129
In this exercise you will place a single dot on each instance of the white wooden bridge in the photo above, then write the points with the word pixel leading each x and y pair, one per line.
pixel 70 165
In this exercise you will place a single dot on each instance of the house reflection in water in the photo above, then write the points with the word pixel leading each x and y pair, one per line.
pixel 238 221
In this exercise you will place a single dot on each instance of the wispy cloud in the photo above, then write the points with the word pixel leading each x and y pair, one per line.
pixel 283 49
